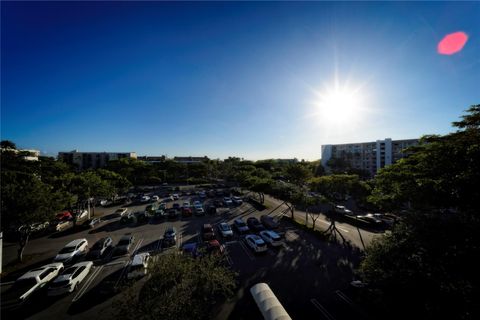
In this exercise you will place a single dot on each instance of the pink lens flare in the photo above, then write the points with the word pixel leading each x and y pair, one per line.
pixel 452 43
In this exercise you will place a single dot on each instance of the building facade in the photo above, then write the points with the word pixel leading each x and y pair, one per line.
pixel 367 156
pixel 188 160
pixel 152 159
pixel 92 160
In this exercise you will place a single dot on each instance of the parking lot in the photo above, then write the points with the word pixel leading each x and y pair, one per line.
pixel 310 277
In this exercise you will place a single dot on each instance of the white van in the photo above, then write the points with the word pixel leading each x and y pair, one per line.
pixel 139 266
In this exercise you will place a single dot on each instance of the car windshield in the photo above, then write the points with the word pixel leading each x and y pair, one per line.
pixel 224 227
pixel 124 242
pixel 69 270
pixel 240 223
pixel 58 284
pixel 274 236
pixel 67 250
pixel 98 245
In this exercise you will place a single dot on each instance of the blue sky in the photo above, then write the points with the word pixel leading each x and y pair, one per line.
pixel 230 79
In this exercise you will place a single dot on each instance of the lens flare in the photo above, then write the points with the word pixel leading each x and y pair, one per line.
pixel 452 43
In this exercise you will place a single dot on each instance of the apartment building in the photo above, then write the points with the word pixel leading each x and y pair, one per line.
pixel 92 160
pixel 188 160
pixel 367 156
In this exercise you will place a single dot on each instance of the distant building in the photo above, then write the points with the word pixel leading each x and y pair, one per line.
pixel 367 156
pixel 25 154
pixel 188 160
pixel 92 160
pixel 152 159
pixel 294 160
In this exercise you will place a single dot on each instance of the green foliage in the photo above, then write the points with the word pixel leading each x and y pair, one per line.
pixel 298 173
pixel 180 288
pixel 7 144
pixel 426 263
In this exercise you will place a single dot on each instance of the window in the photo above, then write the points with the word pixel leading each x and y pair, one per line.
pixel 77 273
pixel 46 273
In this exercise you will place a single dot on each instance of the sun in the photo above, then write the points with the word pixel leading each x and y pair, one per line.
pixel 339 106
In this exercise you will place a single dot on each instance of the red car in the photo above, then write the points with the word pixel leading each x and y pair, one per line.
pixel 65 215
pixel 214 247
pixel 187 212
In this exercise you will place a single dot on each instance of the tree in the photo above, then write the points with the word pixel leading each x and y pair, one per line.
pixel 7 144
pixel 425 263
pixel 26 200
pixel 298 173
pixel 180 287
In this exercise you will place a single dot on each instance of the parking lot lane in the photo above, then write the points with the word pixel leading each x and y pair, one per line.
pixel 323 311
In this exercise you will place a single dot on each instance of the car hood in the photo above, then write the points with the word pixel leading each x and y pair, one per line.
pixel 64 256
pixel 227 231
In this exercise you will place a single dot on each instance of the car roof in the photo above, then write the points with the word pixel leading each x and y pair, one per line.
pixel 126 236
pixel 207 225
pixel 37 271
pixel 75 242
pixel 254 237
pixel 269 232
pixel 82 264
pixel 239 220
pixel 214 243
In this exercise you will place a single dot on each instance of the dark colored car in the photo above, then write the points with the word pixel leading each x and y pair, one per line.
pixel 123 246
pixel 240 226
pixel 254 224
pixel 100 248
pixel 92 223
pixel 207 232
pixel 269 222
pixel 129 218
pixel 211 209
pixel 218 203
pixel 142 216
pixel 170 236
pixel 173 213
pixel 176 206
pixel 186 212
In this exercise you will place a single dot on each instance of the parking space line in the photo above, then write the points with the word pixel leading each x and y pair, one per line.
pixel 350 303
pixel 180 239
pixel 121 274
pixel 231 242
pixel 249 254
pixel 139 243
pixel 322 309
pixel 87 284
pixel 6 283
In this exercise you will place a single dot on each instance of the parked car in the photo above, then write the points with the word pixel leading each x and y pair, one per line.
pixel 237 200
pixel 190 249
pixel 199 211
pixel 271 237
pixel 65 215
pixel 186 212
pixel 70 278
pixel 142 216
pixel 128 218
pixel 175 196
pixel 72 250
pixel 121 211
pixel 36 227
pixel 80 214
pixel 100 247
pixel 227 201
pixel 145 199
pixel 254 224
pixel 186 204
pixel 170 236
pixel 173 213
pixel 62 225
pixel 124 244
pixel 240 226
pixel 256 243
pixel 176 206
pixel 155 198
pixel 207 232
pixel 342 210
pixel 91 223
pixel 139 266
pixel 29 283
pixel 225 230
pixel 211 209
pixel 218 203
pixel 214 247
pixel 269 222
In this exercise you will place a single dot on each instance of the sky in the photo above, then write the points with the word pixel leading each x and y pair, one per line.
pixel 247 79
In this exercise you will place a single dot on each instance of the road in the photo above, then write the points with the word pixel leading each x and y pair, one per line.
pixel 359 237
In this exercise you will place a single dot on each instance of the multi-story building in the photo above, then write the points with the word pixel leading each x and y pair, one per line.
pixel 367 156
pixel 188 160
pixel 92 160
pixel 152 159
pixel 25 154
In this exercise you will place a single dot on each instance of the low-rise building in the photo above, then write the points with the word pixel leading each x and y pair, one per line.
pixel 188 160
pixel 367 156
pixel 92 160
pixel 152 159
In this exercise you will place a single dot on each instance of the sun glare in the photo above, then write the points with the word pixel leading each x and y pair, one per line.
pixel 339 106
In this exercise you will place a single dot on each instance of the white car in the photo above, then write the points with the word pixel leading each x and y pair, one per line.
pixel 72 250
pixel 271 237
pixel 70 278
pixel 175 196
pixel 121 211
pixel 227 201
pixel 80 214
pixel 145 199
pixel 256 243
pixel 139 266
pixel 63 225
pixel 155 198
pixel 237 200
pixel 225 230
pixel 186 204
pixel 343 210
pixel 30 282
